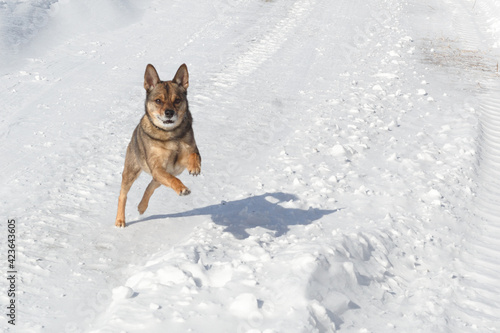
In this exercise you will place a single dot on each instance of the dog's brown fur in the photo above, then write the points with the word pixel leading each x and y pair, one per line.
pixel 163 143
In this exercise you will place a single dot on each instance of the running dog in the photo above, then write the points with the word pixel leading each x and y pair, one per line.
pixel 163 143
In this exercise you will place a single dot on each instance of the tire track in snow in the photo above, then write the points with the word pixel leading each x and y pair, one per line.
pixel 481 245
pixel 482 242
pixel 259 52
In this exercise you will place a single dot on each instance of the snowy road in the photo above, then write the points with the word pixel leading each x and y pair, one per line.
pixel 350 177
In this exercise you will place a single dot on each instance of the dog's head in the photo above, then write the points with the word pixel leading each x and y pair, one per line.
pixel 166 101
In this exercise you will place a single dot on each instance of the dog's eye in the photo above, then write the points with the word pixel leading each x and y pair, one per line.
pixel 158 101
pixel 177 101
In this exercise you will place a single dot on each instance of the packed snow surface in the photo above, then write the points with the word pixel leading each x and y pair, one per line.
pixel 350 167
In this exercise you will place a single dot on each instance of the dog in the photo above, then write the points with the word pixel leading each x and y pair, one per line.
pixel 163 142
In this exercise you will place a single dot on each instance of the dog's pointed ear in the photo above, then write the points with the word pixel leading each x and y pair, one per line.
pixel 182 76
pixel 151 78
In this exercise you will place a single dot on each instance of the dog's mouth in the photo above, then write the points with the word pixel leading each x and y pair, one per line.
pixel 167 122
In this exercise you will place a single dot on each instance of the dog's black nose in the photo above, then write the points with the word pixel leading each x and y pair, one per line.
pixel 169 113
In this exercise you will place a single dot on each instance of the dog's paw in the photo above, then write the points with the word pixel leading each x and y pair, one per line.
pixel 184 191
pixel 142 208
pixel 179 187
pixel 195 172
pixel 143 205
pixel 194 164
pixel 120 223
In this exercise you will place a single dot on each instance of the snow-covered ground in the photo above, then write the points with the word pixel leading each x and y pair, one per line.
pixel 350 177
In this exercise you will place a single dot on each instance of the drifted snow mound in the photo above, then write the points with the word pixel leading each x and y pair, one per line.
pixel 258 283
pixel 122 292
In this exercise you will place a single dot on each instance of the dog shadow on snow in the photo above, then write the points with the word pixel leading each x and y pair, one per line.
pixel 265 211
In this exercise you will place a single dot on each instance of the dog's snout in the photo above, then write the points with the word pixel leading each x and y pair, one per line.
pixel 169 113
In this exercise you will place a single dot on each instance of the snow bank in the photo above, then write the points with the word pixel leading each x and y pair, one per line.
pixel 32 27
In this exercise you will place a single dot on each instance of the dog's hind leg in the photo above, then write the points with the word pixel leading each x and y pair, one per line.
pixel 147 195
pixel 129 175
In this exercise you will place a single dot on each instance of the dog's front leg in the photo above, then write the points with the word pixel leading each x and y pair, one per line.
pixel 194 163
pixel 165 178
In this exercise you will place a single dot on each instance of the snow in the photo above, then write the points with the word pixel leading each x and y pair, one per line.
pixel 350 174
